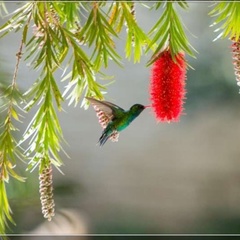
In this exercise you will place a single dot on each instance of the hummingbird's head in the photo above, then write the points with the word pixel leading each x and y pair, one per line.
pixel 137 108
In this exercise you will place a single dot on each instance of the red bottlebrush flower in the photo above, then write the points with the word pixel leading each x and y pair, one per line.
pixel 167 86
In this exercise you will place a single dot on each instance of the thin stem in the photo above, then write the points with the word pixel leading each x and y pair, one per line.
pixel 19 56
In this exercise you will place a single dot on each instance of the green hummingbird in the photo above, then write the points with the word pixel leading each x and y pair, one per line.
pixel 113 118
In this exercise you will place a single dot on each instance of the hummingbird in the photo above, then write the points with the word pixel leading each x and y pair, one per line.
pixel 113 118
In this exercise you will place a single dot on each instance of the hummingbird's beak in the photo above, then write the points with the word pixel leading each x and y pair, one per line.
pixel 148 106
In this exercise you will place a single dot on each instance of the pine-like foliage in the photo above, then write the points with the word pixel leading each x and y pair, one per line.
pixel 227 14
pixel 168 32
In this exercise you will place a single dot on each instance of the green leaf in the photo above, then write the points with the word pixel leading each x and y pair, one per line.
pixel 57 94
pixel 158 49
pixel 164 30
pixel 183 4
pixel 227 14
pixel 14 114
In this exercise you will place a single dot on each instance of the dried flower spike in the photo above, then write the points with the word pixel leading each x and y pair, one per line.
pixel 167 88
pixel 236 58
pixel 46 192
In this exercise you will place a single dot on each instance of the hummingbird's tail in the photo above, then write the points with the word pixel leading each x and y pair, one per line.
pixel 105 136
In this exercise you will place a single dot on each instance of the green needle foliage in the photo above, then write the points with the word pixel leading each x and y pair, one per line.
pixel 99 33
pixel 227 13
pixel 168 32
pixel 77 38
pixel 9 150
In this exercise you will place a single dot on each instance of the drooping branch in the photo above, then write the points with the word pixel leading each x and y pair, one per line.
pixel 9 149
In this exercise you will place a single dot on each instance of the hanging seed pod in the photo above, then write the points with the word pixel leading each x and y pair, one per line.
pixel 46 192
pixel 236 58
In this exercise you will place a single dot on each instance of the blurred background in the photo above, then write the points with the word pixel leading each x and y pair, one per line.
pixel 159 178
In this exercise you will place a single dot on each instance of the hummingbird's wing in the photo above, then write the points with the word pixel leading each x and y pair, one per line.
pixel 105 112
pixel 107 107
